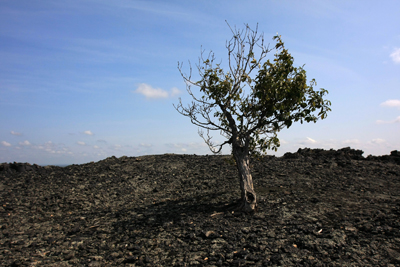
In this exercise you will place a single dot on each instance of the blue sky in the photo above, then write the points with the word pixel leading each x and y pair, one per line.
pixel 82 80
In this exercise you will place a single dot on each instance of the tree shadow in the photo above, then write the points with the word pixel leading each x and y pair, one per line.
pixel 168 212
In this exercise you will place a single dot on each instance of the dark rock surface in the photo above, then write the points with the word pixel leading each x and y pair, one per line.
pixel 316 208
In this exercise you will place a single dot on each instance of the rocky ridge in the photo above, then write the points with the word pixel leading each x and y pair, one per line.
pixel 316 208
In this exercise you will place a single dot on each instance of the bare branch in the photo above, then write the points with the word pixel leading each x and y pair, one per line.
pixel 213 147
pixel 251 120
pixel 225 104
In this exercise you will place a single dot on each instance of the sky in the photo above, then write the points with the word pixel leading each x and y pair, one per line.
pixel 83 80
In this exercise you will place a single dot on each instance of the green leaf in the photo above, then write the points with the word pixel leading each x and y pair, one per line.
pixel 276 95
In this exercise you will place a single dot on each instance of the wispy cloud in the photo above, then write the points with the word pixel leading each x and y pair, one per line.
pixel 308 141
pixel 88 132
pixel 4 143
pixel 175 91
pixel 397 120
pixel 172 11
pixel 116 147
pixel 149 92
pixel 25 143
pixel 15 133
pixel 145 145
pixel 377 141
pixel 81 143
pixel 283 142
pixel 396 55
pixel 53 148
pixel 351 142
pixel 187 147
pixel 391 103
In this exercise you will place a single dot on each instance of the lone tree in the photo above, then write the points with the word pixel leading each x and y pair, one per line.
pixel 248 110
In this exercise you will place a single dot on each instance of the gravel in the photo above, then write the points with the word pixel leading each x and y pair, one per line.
pixel 316 208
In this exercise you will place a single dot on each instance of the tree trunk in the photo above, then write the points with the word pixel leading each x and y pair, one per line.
pixel 248 195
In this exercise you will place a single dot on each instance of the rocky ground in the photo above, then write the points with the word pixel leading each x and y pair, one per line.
pixel 316 208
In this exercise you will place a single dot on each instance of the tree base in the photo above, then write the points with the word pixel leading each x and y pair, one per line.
pixel 241 205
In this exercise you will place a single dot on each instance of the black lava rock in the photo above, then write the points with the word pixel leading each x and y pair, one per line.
pixel 316 208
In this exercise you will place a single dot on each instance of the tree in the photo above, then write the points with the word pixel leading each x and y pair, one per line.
pixel 248 109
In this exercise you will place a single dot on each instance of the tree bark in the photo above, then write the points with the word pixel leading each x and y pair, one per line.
pixel 248 195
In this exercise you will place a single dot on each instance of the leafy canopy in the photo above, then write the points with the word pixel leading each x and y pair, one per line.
pixel 250 110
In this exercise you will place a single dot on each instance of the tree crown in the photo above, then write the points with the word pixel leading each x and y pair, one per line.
pixel 251 110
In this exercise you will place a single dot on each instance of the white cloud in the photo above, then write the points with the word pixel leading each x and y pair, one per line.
pixel 15 133
pixel 391 103
pixel 116 147
pixel 309 141
pixel 396 55
pixel 351 142
pixel 53 148
pixel 88 132
pixel 4 143
pixel 283 142
pixel 146 145
pixel 96 147
pixel 175 91
pixel 150 92
pixel 25 143
pixel 378 141
pixel 197 147
pixel 397 120
pixel 81 143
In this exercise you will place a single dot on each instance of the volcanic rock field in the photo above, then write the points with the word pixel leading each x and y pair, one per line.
pixel 316 208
